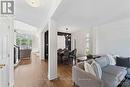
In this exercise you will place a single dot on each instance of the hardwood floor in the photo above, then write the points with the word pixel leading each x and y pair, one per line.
pixel 34 74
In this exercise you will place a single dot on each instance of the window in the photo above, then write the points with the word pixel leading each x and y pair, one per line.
pixel 87 43
pixel 24 41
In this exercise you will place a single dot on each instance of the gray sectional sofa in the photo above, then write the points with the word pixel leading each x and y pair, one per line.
pixel 112 75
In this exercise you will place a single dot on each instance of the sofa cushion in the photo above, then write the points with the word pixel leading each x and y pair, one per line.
pixel 116 71
pixel 109 80
pixel 113 75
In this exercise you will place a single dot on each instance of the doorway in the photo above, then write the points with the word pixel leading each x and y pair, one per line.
pixel 63 42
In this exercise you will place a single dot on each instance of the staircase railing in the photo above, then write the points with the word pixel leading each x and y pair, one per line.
pixel 16 54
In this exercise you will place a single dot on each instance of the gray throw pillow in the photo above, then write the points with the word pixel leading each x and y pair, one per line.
pixel 122 61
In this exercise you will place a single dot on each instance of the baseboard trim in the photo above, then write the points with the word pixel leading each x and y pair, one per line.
pixel 52 77
pixel 11 85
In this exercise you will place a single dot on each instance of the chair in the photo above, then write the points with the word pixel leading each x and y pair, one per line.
pixel 73 55
pixel 59 55
pixel 59 50
pixel 65 57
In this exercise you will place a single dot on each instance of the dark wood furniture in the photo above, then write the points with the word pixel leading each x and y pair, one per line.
pixel 65 57
pixel 46 40
pixel 67 54
pixel 59 55
pixel 72 56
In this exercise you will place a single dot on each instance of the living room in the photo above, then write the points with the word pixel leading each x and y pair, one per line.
pixel 105 28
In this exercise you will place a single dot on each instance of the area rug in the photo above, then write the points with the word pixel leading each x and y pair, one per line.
pixel 126 83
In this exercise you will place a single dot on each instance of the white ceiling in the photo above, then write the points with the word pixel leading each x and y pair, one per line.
pixel 22 27
pixel 31 15
pixel 89 13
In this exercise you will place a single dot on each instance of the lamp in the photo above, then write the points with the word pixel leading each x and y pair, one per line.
pixel 33 3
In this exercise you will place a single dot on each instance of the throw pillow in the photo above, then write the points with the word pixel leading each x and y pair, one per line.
pixel 97 69
pixel 122 61
pixel 102 61
pixel 111 59
pixel 88 68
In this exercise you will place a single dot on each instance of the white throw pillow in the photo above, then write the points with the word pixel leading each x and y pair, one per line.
pixel 97 69
pixel 111 59
pixel 88 68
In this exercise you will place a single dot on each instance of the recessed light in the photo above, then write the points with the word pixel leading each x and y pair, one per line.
pixel 33 3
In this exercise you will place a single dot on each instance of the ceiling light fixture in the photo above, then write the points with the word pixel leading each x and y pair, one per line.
pixel 33 3
pixel 67 29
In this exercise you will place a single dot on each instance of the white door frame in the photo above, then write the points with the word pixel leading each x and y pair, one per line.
pixel 11 76
pixel 9 21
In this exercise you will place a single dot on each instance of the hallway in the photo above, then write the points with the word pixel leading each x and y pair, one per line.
pixel 34 74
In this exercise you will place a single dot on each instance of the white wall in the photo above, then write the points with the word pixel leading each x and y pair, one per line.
pixel 114 38
pixel 52 59
pixel 60 42
pixel 43 42
pixel 42 46
pixel 15 34
pixel 36 42
pixel 80 37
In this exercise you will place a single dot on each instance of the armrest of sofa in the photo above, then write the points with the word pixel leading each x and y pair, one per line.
pixel 84 79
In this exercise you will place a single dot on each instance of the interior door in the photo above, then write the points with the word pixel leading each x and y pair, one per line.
pixel 4 52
